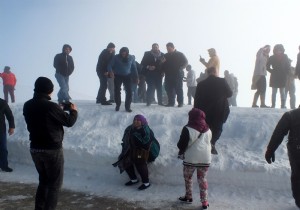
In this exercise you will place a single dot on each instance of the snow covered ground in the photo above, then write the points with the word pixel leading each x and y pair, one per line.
pixel 239 177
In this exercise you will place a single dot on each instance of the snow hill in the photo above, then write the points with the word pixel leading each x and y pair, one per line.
pixel 239 177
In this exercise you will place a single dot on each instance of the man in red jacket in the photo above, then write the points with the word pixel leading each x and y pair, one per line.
pixel 9 83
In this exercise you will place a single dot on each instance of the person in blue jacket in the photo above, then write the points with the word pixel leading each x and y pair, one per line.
pixel 123 68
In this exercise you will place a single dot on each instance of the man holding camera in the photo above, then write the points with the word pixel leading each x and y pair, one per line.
pixel 45 121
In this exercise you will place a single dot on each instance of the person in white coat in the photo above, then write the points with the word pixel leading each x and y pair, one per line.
pixel 259 81
pixel 195 151
pixel 191 83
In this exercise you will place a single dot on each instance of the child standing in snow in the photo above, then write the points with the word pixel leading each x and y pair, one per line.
pixel 195 151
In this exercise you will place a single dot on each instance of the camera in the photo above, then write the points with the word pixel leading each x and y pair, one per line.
pixel 66 106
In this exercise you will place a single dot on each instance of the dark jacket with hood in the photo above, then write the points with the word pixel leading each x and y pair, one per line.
pixel 45 121
pixel 63 63
pixel 211 97
pixel 5 111
pixel 103 60
pixel 279 67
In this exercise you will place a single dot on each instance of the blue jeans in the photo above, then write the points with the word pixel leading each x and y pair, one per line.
pixel 291 91
pixel 50 166
pixel 282 97
pixel 3 150
pixel 63 93
pixel 135 97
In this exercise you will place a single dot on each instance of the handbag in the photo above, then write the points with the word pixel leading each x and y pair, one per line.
pixel 140 154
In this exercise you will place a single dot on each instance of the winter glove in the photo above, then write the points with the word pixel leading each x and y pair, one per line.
pixel 181 156
pixel 270 156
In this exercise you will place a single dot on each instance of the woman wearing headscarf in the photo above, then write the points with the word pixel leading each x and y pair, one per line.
pixel 195 151
pixel 139 146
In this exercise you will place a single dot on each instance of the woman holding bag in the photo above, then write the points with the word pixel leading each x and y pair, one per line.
pixel 195 151
pixel 139 146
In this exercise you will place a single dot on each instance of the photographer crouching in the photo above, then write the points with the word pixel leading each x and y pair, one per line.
pixel 45 121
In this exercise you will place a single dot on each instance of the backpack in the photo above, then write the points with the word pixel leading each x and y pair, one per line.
pixel 154 148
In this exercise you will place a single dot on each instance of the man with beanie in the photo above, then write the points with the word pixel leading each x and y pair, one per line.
pixel 123 68
pixel 64 65
pixel 9 83
pixel 105 80
pixel 212 97
pixel 45 121
pixel 288 125
pixel 173 64
pixel 5 112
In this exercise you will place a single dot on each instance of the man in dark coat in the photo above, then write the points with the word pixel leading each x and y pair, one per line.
pixel 5 111
pixel 288 124
pixel 45 121
pixel 151 63
pixel 103 60
pixel 64 65
pixel 174 63
pixel 211 97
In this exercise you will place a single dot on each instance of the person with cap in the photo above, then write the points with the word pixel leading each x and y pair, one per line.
pixel 64 65
pixel 259 81
pixel 9 83
pixel 288 125
pixel 139 146
pixel 5 112
pixel 213 61
pixel 195 151
pixel 45 121
pixel 279 66
pixel 152 62
pixel 174 63
pixel 212 98
pixel 106 82
pixel 122 68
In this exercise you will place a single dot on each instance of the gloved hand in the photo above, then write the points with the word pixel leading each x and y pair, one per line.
pixel 270 156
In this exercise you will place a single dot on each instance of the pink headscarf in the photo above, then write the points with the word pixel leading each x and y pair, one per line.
pixel 197 120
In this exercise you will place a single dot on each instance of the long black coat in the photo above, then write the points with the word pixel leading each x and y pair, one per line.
pixel 174 64
pixel 279 69
pixel 211 97
pixel 5 111
pixel 45 121
pixel 63 64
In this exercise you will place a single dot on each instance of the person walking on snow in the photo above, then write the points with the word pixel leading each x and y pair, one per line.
pixel 9 83
pixel 195 151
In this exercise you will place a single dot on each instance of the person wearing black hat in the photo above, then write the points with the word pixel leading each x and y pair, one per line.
pixel 105 80
pixel 64 65
pixel 123 68
pixel 5 112
pixel 45 121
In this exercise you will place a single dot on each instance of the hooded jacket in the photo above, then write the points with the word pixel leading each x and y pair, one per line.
pixel 8 78
pixel 45 121
pixel 63 63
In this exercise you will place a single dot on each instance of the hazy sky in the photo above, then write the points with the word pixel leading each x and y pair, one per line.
pixel 33 31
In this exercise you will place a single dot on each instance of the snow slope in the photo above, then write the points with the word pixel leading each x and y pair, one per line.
pixel 239 177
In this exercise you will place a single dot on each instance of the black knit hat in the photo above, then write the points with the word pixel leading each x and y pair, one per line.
pixel 124 49
pixel 111 45
pixel 43 85
pixel 66 46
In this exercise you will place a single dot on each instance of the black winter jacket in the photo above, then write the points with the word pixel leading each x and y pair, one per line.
pixel 103 60
pixel 5 111
pixel 45 121
pixel 149 60
pixel 211 97
pixel 63 64
pixel 174 64
pixel 288 124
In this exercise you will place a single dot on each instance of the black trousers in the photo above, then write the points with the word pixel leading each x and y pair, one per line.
pixel 50 166
pixel 102 89
pixel 142 169
pixel 294 157
pixel 126 81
